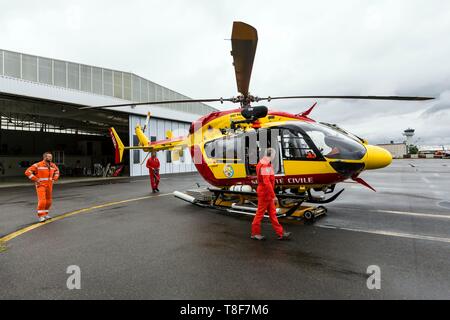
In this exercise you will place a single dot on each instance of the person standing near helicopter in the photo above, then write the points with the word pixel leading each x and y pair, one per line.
pixel 43 174
pixel 266 197
pixel 153 170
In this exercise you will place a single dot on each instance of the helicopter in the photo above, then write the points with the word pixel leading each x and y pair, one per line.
pixel 312 157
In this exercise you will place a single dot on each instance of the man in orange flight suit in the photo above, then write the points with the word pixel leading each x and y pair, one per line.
pixel 266 197
pixel 153 170
pixel 43 173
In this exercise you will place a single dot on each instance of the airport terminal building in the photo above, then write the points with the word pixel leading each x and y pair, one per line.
pixel 39 109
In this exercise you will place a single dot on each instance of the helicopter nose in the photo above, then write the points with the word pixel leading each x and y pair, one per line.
pixel 377 158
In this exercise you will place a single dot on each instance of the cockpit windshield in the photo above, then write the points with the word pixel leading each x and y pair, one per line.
pixel 332 143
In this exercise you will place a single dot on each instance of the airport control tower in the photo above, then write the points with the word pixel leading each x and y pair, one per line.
pixel 409 133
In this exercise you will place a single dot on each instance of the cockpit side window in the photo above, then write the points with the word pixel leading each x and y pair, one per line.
pixel 332 143
pixel 295 146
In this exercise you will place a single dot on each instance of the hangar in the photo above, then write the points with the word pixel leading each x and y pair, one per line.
pixel 39 109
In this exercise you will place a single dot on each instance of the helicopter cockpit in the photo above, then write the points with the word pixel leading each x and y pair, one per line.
pixel 329 142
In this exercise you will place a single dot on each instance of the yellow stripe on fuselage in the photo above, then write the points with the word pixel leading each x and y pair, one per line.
pixel 305 167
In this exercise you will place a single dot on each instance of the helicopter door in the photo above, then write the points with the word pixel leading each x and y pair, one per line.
pixel 251 153
pixel 256 143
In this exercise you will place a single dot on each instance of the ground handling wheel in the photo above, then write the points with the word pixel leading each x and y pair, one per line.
pixel 308 216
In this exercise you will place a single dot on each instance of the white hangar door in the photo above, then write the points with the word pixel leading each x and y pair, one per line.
pixel 157 131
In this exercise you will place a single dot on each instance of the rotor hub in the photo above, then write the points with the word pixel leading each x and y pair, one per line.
pixel 245 100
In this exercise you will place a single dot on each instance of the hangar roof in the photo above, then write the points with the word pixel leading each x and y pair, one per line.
pixel 78 84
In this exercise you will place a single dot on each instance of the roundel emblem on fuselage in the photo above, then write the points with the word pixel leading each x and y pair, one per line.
pixel 228 171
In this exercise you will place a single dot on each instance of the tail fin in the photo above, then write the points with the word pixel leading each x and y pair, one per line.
pixel 118 145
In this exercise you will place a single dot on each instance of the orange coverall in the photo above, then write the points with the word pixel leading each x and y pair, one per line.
pixel 43 174
pixel 266 197
pixel 153 171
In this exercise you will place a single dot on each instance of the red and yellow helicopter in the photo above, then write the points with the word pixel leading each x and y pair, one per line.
pixel 226 146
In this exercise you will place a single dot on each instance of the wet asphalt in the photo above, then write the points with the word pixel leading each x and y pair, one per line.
pixel 163 248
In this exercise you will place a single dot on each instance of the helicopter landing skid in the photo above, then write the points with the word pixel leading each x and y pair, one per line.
pixel 245 203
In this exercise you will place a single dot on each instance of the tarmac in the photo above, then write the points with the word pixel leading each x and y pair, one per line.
pixel 131 244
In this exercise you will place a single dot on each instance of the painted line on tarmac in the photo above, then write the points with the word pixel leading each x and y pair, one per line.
pixel 416 214
pixel 405 213
pixel 72 213
pixel 389 233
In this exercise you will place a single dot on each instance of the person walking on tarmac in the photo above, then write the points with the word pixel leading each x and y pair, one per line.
pixel 153 170
pixel 266 197
pixel 43 174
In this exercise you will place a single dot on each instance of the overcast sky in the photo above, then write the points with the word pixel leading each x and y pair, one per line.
pixel 305 47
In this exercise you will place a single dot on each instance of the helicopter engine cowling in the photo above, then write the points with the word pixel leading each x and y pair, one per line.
pixel 253 113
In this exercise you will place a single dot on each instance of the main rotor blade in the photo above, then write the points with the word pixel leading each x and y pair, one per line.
pixel 401 98
pixel 156 102
pixel 244 39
